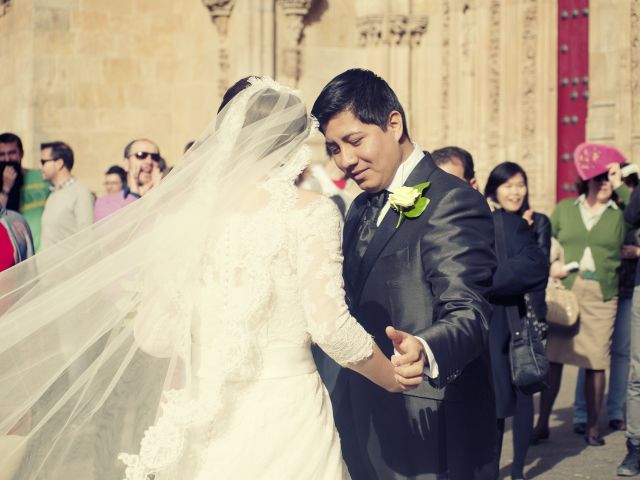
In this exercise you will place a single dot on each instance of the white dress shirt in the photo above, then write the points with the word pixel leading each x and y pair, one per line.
pixel 403 172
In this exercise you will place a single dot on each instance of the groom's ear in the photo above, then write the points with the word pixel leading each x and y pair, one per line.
pixel 395 125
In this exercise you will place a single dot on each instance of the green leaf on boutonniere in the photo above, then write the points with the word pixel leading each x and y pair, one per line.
pixel 409 202
pixel 417 210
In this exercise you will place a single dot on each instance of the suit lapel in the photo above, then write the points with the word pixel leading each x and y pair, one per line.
pixel 351 263
pixel 387 229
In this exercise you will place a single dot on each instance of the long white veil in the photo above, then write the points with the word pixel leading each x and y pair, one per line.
pixel 95 352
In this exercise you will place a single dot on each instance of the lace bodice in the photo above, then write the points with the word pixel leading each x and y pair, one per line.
pixel 280 270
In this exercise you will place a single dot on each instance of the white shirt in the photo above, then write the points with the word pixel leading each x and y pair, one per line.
pixel 403 172
pixel 590 218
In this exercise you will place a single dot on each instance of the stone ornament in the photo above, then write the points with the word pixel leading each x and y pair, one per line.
pixel 220 11
pixel 374 30
pixel 294 13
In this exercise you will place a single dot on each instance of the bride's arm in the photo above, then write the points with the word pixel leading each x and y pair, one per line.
pixel 329 322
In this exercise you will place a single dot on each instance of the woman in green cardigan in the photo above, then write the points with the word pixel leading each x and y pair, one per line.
pixel 591 230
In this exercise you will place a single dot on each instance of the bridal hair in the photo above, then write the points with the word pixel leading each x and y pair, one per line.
pixel 363 93
pixel 234 90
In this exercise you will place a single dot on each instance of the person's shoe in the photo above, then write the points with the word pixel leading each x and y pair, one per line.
pixel 580 428
pixel 538 435
pixel 617 425
pixel 630 466
pixel 594 441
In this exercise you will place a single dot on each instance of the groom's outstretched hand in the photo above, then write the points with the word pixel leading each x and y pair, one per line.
pixel 410 359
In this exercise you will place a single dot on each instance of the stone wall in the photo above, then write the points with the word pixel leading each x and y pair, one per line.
pixel 476 73
pixel 16 69
pixel 614 72
pixel 97 74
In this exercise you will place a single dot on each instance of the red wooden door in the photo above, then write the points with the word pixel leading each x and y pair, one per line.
pixel 573 89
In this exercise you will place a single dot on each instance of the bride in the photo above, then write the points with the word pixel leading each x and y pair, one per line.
pixel 172 340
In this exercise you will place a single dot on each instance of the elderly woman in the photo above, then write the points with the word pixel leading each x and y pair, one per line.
pixel 591 231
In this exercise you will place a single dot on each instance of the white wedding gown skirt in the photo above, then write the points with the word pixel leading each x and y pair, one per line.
pixel 280 428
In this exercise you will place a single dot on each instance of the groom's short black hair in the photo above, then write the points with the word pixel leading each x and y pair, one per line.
pixel 363 93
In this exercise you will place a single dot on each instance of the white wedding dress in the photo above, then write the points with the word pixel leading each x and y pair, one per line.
pixel 280 426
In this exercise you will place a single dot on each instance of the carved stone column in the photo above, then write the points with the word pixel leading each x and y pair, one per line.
pixel 294 12
pixel 220 11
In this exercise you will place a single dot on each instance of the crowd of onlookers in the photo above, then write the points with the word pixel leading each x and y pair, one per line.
pixel 590 246
pixel 41 207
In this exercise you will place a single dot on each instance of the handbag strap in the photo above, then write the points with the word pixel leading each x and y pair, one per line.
pixel 513 315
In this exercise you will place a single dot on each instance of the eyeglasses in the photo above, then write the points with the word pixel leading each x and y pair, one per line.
pixel 43 161
pixel 142 155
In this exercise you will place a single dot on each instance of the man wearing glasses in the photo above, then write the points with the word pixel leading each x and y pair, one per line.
pixel 69 207
pixel 143 166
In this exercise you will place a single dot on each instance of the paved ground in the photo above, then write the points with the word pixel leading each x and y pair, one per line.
pixel 566 455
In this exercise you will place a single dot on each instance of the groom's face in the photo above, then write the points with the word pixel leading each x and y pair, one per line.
pixel 365 152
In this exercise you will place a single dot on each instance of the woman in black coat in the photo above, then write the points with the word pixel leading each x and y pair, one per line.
pixel 524 275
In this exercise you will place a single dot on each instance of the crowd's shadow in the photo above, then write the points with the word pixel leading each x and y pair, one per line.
pixel 562 443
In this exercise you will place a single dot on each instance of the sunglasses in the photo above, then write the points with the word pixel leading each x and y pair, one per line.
pixel 43 161
pixel 142 155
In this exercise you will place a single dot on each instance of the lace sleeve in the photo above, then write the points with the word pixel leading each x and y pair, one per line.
pixel 320 273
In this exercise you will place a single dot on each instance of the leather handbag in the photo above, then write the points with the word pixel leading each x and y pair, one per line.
pixel 529 363
pixel 562 305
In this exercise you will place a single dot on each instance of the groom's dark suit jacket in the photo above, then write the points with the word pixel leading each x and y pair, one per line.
pixel 428 277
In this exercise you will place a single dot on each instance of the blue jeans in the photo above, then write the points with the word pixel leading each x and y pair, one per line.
pixel 620 348
pixel 633 391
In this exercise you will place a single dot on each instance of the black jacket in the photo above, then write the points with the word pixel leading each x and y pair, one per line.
pixel 632 217
pixel 526 270
pixel 429 277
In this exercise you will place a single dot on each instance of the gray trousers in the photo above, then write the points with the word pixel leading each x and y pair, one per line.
pixel 633 388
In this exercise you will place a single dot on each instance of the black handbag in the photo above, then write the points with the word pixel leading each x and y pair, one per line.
pixel 529 363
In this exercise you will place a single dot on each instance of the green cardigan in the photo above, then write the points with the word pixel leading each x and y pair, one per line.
pixel 605 239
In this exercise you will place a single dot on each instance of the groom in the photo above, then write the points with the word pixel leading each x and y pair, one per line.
pixel 427 274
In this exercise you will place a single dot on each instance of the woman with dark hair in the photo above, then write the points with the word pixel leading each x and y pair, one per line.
pixel 507 190
pixel 591 231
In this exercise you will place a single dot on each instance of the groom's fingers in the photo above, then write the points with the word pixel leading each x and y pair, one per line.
pixel 410 371
pixel 408 383
pixel 396 336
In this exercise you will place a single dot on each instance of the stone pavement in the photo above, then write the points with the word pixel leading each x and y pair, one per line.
pixel 565 455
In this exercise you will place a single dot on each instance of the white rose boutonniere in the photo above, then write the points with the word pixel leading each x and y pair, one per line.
pixel 408 201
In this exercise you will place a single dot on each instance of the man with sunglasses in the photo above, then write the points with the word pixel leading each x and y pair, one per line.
pixel 144 166
pixel 69 207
